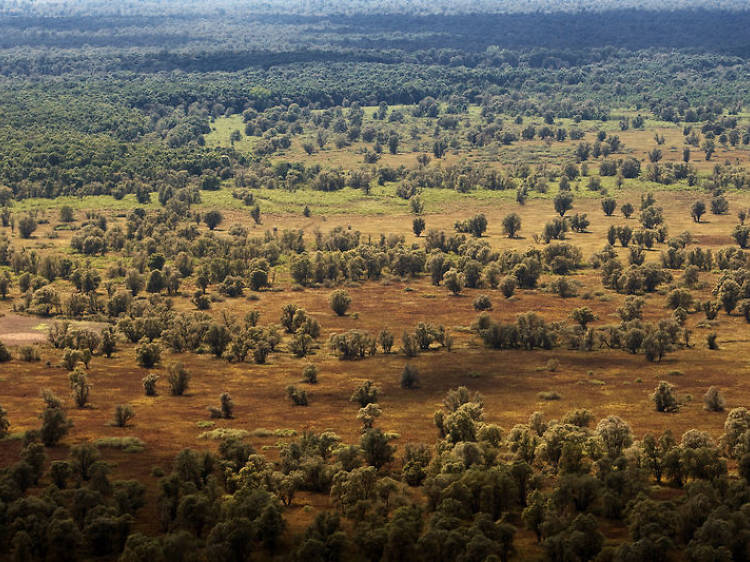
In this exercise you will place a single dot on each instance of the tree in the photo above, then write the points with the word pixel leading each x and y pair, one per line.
pixel 147 354
pixel 409 377
pixel 178 379
pixel 4 422
pixel 108 341
pixel 508 285
pixel 583 316
pixel 26 226
pixel 225 409
pixel 741 235
pixel 563 203
pixel 79 387
pixel 511 224
pixel 376 448
pixel 149 384
pixel 217 338
pixel 393 142
pixel 627 210
pixel 55 426
pixel 713 400
pixel 729 295
pixel 213 219
pixel 665 397
pixel 453 281
pixel 340 301
pixel 418 226
pixel 698 210
pixel 476 226
pixel 616 435
pixel 608 206
pixel 365 394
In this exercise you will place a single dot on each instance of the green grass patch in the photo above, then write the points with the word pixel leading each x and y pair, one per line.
pixel 126 444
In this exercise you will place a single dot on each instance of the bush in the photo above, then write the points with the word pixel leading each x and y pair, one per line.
pixel 711 341
pixel 353 344
pixel 226 409
pixel 713 400
pixel 340 301
pixel 149 384
pixel 79 387
pixel 4 422
pixel 147 354
pixel 26 226
pixel 5 354
pixel 508 286
pixel 365 394
pixel 548 395
pixel 212 219
pixel 55 426
pixel 123 414
pixel 310 374
pixel 482 302
pixel 178 379
pixel 29 353
pixel 665 398
pixel 386 339
pixel 453 281
pixel 409 377
pixel 298 397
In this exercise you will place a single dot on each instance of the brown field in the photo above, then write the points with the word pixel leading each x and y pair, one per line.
pixel 604 381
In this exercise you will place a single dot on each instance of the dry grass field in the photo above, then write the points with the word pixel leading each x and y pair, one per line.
pixel 603 381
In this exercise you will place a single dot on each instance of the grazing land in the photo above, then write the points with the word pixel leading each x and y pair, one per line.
pixel 325 284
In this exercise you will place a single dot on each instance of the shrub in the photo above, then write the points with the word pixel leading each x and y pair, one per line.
pixel 365 394
pixel 123 414
pixel 409 377
pixel 79 387
pixel 26 226
pixel 549 395
pixel 409 344
pixel 5 354
pixel 147 354
pixel 665 398
pixel 212 219
pixel 60 472
pixel 261 351
pixel 310 374
pixel 711 341
pixel 713 400
pixel 386 339
pixel 340 301
pixel 453 281
pixel 178 379
pixel 4 422
pixel 29 353
pixel 149 384
pixel 482 302
pixel 55 426
pixel 298 397
pixel 512 225
pixel 353 344
pixel 226 408
pixel 508 286
pixel 108 342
